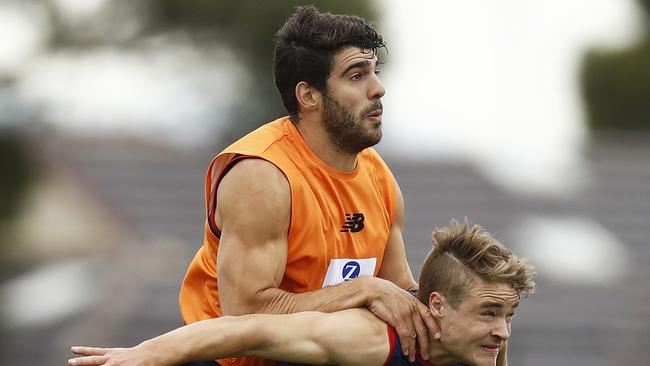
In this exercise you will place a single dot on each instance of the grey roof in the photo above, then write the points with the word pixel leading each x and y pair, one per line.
pixel 157 191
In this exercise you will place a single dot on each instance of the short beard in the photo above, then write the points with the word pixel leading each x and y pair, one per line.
pixel 345 130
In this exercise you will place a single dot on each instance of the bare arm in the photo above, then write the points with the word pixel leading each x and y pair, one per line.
pixel 254 208
pixel 278 337
pixel 395 268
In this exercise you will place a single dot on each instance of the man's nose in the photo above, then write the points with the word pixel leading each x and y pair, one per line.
pixel 377 88
pixel 502 329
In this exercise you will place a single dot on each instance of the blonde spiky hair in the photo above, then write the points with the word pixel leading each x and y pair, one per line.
pixel 463 253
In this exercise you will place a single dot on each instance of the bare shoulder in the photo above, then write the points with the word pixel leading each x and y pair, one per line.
pixel 254 173
pixel 251 189
pixel 351 337
pixel 355 337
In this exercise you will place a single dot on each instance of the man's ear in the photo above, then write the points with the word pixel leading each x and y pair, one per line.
pixel 308 97
pixel 436 301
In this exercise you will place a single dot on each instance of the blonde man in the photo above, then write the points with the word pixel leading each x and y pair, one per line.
pixel 471 283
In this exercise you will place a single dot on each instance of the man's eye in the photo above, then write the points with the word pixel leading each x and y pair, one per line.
pixel 377 72
pixel 488 313
pixel 356 76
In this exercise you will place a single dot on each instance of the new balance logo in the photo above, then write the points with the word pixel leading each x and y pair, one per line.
pixel 353 223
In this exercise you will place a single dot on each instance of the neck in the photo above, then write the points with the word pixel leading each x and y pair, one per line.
pixel 318 141
pixel 438 355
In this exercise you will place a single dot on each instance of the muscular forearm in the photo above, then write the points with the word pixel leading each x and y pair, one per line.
pixel 347 295
pixel 268 336
pixel 402 278
pixel 205 340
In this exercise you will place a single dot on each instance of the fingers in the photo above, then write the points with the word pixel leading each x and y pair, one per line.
pixel 88 361
pixel 429 321
pixel 410 318
pixel 88 351
pixel 422 333
pixel 407 337
pixel 94 356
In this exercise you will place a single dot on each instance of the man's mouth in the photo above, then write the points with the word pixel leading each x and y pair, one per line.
pixel 492 348
pixel 375 115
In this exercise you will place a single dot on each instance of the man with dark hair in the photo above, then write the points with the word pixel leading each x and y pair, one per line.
pixel 306 45
pixel 471 283
pixel 302 214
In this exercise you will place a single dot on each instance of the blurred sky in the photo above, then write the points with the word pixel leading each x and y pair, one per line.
pixel 494 82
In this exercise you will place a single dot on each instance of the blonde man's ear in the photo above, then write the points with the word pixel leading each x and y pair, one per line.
pixel 436 302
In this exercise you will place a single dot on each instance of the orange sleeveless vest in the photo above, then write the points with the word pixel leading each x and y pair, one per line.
pixel 339 226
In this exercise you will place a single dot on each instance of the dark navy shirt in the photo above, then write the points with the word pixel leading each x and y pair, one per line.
pixel 396 358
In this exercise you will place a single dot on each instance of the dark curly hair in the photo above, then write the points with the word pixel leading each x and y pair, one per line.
pixel 306 45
